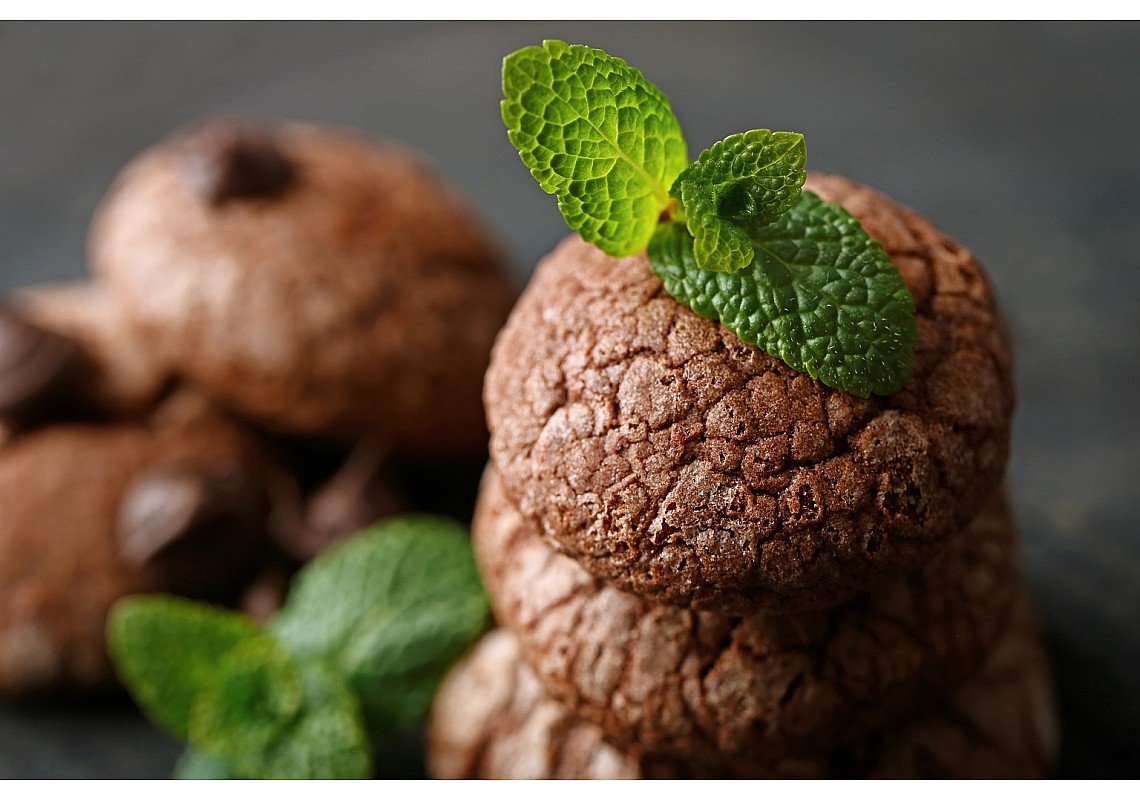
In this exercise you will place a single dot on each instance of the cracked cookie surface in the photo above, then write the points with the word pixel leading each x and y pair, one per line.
pixel 666 455
pixel 492 720
pixel 718 689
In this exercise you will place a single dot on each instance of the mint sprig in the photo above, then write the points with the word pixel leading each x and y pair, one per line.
pixel 598 135
pixel 327 742
pixel 747 179
pixel 218 681
pixel 367 634
pixel 821 296
pixel 735 239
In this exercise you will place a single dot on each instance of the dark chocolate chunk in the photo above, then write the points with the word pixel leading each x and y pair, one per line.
pixel 36 366
pixel 228 160
pixel 170 509
pixel 354 497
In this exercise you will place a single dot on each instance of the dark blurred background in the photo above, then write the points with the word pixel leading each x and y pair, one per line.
pixel 1020 140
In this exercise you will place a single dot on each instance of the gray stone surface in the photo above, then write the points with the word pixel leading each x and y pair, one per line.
pixel 1017 139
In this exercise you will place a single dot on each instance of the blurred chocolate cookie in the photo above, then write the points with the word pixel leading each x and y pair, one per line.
pixel 92 512
pixel 666 455
pixel 318 281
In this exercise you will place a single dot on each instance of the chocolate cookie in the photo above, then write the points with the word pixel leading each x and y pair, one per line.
pixel 95 512
pixel 492 720
pixel 719 689
pixel 314 279
pixel 666 455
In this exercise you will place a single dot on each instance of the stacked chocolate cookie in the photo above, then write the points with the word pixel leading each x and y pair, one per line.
pixel 707 564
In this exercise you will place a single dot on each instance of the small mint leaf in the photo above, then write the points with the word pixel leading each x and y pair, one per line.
pixel 169 651
pixel 392 608
pixel 598 135
pixel 325 741
pixel 671 259
pixel 820 295
pixel 718 244
pixel 194 765
pixel 747 179
pixel 257 695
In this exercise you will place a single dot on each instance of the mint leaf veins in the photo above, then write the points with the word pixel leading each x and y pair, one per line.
pixel 735 238
pixel 595 133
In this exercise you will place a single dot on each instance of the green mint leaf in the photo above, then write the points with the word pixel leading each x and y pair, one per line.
pixel 820 295
pixel 598 135
pixel 194 765
pixel 169 651
pixel 253 700
pixel 747 179
pixel 325 741
pixel 392 608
